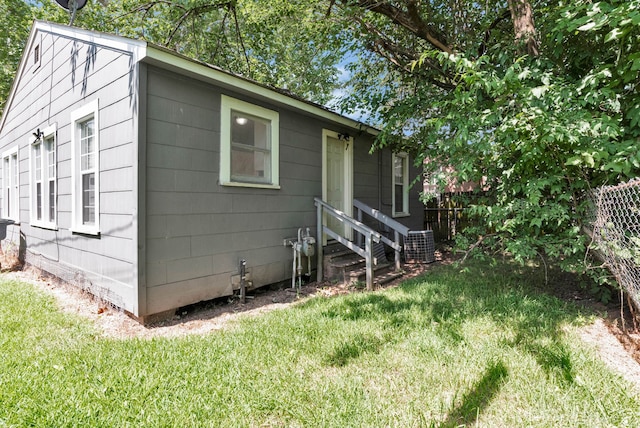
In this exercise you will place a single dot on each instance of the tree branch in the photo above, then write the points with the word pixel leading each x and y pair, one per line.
pixel 221 37
pixel 523 25
pixel 403 58
pixel 381 49
pixel 473 247
pixel 410 20
pixel 194 11
pixel 239 34
pixel 487 34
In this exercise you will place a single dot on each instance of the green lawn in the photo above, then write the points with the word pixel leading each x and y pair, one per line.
pixel 477 348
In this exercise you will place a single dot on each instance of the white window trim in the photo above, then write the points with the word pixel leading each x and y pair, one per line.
pixel 404 210
pixel 227 104
pixel 89 110
pixel 49 131
pixel 15 194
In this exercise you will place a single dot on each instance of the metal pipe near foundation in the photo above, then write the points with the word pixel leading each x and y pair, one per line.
pixel 243 280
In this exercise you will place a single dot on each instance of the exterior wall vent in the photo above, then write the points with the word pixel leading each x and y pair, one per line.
pixel 37 55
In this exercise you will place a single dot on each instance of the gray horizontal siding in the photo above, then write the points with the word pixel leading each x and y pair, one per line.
pixel 180 113
pixel 173 295
pixel 196 230
pixel 71 74
pixel 199 229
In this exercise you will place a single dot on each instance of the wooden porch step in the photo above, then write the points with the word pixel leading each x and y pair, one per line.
pixel 382 274
pixel 337 269
pixel 335 250
pixel 349 268
pixel 339 255
pixel 337 259
pixel 347 261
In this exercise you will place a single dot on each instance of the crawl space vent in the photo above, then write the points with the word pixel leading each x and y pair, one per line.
pixel 419 247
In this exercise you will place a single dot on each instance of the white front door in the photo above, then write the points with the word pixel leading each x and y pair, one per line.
pixel 337 173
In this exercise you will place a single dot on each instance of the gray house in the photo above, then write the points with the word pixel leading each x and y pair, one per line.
pixel 145 177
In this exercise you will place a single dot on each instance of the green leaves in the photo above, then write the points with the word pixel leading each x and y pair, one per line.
pixel 288 44
pixel 15 19
pixel 536 132
pixel 540 132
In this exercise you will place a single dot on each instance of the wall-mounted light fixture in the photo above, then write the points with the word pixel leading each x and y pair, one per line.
pixel 38 134
pixel 344 137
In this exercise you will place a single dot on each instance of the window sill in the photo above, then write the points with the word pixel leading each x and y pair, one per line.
pixel 398 215
pixel 85 230
pixel 251 185
pixel 49 226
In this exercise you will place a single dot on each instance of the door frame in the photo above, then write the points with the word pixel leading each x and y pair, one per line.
pixel 348 174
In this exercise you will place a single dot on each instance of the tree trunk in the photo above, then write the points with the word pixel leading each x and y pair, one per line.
pixel 523 25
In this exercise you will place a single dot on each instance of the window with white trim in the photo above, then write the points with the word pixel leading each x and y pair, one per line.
pixel 400 189
pixel 43 179
pixel 249 145
pixel 85 146
pixel 10 185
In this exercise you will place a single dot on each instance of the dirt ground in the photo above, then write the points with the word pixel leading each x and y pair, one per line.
pixel 617 345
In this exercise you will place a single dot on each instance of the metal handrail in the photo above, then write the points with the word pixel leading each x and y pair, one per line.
pixel 369 234
pixel 381 217
pixel 358 226
pixel 397 227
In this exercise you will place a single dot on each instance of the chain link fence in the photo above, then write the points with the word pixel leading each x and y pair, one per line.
pixel 615 220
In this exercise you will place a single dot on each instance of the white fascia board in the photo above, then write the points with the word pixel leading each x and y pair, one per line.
pixel 175 62
pixel 107 40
